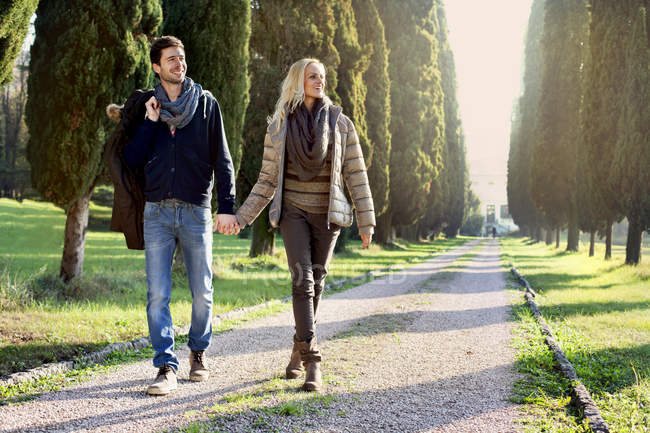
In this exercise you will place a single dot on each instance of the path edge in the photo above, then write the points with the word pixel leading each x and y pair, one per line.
pixel 579 393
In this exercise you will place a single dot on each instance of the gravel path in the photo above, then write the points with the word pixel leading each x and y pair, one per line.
pixel 425 349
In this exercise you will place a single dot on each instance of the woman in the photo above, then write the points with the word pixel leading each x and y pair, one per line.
pixel 310 149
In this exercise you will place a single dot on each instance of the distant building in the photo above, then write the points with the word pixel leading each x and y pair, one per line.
pixel 503 223
pixel 491 190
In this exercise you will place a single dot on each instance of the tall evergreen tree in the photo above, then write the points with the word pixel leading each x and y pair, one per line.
pixel 371 35
pixel 587 214
pixel 631 165
pixel 606 80
pixel 14 24
pixel 555 152
pixel 216 36
pixel 282 33
pixel 455 165
pixel 439 201
pixel 351 88
pixel 417 120
pixel 589 219
pixel 86 54
pixel 520 203
pixel 512 186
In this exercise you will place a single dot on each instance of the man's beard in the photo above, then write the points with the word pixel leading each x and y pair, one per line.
pixel 170 78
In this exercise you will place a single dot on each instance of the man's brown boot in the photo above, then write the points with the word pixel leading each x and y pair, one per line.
pixel 198 372
pixel 165 382
pixel 294 369
pixel 311 359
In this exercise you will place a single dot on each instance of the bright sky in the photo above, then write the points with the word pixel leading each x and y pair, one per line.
pixel 487 38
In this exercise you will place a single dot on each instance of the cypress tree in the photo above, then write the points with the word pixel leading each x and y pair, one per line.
pixel 446 201
pixel 555 153
pixel 512 186
pixel 520 203
pixel 370 30
pixel 86 54
pixel 282 33
pixel 351 88
pixel 216 36
pixel 605 78
pixel 455 165
pixel 631 165
pixel 589 219
pixel 14 24
pixel 417 120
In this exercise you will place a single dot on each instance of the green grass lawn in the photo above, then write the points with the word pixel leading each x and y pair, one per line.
pixel 42 320
pixel 599 312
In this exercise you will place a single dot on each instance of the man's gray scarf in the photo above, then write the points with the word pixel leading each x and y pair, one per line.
pixel 179 113
pixel 307 138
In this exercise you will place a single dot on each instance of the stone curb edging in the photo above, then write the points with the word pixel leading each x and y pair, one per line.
pixel 143 342
pixel 580 394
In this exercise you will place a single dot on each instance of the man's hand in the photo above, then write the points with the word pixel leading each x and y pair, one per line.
pixel 226 224
pixel 365 240
pixel 153 109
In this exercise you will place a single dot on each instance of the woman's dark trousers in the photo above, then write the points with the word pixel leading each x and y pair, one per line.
pixel 309 245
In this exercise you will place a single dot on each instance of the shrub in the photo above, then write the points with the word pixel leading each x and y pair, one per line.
pixel 473 225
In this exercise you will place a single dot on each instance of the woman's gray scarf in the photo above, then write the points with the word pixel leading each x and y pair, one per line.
pixel 179 113
pixel 307 138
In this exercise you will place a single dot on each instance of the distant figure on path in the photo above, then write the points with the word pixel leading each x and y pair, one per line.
pixel 181 146
pixel 310 150
pixel 494 232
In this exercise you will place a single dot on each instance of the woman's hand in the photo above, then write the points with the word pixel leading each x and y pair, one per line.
pixel 226 224
pixel 366 239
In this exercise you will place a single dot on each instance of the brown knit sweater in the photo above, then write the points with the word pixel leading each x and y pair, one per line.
pixel 312 196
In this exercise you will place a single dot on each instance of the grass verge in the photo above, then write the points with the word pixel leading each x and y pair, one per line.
pixel 599 313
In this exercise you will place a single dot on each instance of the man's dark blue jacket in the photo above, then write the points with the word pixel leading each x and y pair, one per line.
pixel 181 165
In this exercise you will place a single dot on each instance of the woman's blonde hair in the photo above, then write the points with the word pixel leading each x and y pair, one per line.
pixel 292 93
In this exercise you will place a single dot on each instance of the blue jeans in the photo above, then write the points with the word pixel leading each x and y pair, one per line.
pixel 167 223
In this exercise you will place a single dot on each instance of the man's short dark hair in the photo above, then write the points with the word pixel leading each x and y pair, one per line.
pixel 160 44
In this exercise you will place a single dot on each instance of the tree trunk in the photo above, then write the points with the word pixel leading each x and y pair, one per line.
pixel 263 241
pixel 538 234
pixel 423 232
pixel 76 225
pixel 383 230
pixel 573 235
pixel 592 241
pixel 557 237
pixel 549 236
pixel 608 241
pixel 410 233
pixel 634 238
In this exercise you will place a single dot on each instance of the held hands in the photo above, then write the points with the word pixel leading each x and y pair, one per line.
pixel 226 224
pixel 153 109
pixel 365 240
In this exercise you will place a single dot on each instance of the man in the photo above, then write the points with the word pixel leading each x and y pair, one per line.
pixel 182 148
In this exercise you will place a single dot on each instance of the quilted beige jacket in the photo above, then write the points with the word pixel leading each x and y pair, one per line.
pixel 347 166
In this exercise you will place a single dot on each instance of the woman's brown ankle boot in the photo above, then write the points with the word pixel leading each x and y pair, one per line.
pixel 311 359
pixel 294 369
